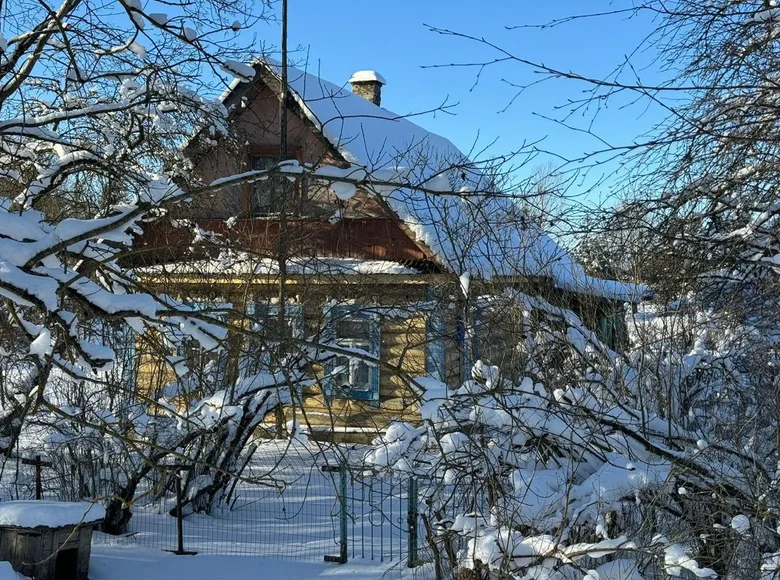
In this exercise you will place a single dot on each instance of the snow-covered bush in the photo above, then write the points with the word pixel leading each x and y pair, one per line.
pixel 532 479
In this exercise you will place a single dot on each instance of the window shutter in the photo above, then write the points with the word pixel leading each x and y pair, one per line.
pixel 434 345
pixel 606 331
pixel 247 363
pixel 295 316
pixel 477 327
pixel 465 355
pixel 221 366
pixel 375 338
pixel 181 349
pixel 221 372
pixel 329 315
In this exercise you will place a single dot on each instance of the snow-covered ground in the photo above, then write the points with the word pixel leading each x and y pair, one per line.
pixel 284 517
pixel 124 562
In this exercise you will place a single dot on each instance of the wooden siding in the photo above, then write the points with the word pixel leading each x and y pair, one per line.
pixel 369 239
pixel 34 551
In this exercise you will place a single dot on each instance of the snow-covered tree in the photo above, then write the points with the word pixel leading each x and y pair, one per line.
pixel 97 102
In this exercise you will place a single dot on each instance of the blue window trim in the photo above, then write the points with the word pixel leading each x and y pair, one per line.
pixel 465 355
pixel 435 350
pixel 371 395
pixel 609 330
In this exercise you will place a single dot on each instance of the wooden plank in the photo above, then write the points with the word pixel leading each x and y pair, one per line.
pixel 85 547
pixel 372 238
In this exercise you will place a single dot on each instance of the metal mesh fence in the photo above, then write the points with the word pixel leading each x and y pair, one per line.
pixel 379 518
pixel 294 501
pixel 285 506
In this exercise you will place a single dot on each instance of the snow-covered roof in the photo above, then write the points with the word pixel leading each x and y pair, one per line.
pixel 460 217
pixel 49 514
pixel 367 76
pixel 242 264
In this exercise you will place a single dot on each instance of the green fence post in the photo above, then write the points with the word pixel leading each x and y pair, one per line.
pixel 411 521
pixel 342 497
pixel 343 513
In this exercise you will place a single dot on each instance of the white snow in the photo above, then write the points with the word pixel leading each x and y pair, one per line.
pixel 620 569
pixel 676 560
pixel 190 34
pixel 465 283
pixel 241 264
pixel 741 524
pixel 40 346
pixel 241 71
pixel 771 14
pixel 7 573
pixel 122 562
pixel 49 514
pixel 367 76
pixel 159 18
pixel 434 393
pixel 342 189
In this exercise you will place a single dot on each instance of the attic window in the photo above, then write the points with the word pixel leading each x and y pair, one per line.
pixel 269 195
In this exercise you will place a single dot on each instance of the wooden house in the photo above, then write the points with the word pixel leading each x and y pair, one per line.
pixel 376 270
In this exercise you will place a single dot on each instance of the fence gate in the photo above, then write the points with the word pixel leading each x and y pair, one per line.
pixel 378 518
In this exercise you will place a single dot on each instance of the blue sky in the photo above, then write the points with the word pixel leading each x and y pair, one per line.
pixel 342 36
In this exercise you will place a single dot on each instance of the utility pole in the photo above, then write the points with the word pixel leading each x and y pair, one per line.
pixel 281 182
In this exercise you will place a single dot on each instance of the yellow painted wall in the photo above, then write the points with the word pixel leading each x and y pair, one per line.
pixel 403 348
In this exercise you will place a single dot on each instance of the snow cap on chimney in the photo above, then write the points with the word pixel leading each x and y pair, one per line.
pixel 368 84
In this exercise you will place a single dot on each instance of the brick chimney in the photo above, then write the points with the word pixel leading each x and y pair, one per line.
pixel 368 84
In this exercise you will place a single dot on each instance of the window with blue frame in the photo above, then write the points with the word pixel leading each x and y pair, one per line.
pixel 348 376
pixel 207 366
pixel 267 331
